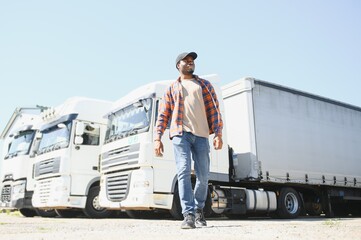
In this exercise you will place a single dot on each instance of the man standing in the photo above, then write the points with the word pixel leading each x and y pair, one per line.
pixel 190 104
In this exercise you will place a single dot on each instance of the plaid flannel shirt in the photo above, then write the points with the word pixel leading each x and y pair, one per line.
pixel 172 109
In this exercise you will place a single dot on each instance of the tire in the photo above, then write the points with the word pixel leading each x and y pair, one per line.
pixel 26 212
pixel 68 213
pixel 46 213
pixel 288 203
pixel 176 210
pixel 208 211
pixel 92 208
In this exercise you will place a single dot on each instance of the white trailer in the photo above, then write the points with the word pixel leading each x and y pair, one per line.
pixel 301 146
pixel 287 151
pixel 17 185
pixel 66 160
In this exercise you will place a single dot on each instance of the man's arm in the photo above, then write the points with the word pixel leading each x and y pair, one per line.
pixel 164 114
pixel 217 123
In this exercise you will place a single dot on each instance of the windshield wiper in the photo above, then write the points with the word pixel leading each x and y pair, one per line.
pixel 115 137
pixel 60 145
pixel 20 152
pixel 135 130
pixel 47 149
pixel 11 155
pixel 121 134
pixel 111 138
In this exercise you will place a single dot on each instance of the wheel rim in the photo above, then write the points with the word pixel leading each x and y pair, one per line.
pixel 96 204
pixel 291 203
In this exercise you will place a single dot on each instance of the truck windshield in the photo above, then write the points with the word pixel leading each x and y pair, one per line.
pixel 130 120
pixel 55 138
pixel 21 143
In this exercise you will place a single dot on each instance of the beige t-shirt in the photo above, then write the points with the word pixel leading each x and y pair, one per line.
pixel 194 118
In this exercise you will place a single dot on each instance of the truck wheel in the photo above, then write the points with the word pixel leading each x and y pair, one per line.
pixel 26 212
pixel 208 211
pixel 46 213
pixel 176 210
pixel 288 203
pixel 92 208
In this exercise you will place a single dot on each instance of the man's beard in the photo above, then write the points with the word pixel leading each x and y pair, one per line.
pixel 188 71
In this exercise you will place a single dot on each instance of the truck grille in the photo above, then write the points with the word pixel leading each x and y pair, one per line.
pixel 44 188
pixel 117 185
pixel 6 193
pixel 121 157
pixel 47 166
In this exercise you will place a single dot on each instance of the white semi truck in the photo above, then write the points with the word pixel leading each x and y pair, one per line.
pixel 67 156
pixel 286 152
pixel 17 184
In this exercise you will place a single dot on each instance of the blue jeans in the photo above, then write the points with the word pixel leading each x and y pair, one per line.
pixel 189 147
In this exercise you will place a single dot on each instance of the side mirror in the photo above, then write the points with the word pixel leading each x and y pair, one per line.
pixel 38 135
pixel 79 130
pixel 61 125
pixel 78 140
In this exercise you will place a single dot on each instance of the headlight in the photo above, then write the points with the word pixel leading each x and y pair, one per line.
pixel 141 184
pixel 19 188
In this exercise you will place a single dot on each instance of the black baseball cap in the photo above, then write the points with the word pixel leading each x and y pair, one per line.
pixel 183 55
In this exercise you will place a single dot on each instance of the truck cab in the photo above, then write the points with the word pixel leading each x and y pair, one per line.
pixel 17 184
pixel 132 177
pixel 66 160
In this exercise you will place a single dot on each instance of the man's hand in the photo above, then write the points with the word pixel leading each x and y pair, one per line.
pixel 158 148
pixel 217 142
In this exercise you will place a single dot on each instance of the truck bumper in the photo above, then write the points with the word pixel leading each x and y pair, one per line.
pixel 55 193
pixel 15 196
pixel 138 195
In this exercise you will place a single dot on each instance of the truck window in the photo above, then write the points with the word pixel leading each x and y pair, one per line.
pixel 91 135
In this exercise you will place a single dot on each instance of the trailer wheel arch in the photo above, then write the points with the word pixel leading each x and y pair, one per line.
pixel 289 203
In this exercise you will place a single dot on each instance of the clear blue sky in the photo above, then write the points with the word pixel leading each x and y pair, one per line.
pixel 52 50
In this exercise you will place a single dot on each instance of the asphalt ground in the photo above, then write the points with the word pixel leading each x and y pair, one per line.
pixel 15 226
